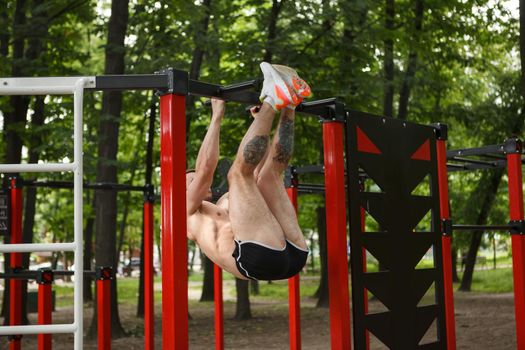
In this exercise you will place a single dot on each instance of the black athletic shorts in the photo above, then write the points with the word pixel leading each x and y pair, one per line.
pixel 260 262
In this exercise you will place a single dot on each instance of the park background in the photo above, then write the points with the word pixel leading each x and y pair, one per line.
pixel 455 62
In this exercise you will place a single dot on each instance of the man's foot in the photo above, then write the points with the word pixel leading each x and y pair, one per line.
pixel 275 91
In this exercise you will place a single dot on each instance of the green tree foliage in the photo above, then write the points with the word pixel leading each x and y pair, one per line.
pixel 466 73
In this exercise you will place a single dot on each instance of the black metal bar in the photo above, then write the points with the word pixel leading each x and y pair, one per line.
pixel 31 274
pixel 475 161
pixel 131 82
pixel 309 169
pixel 477 151
pixel 505 227
pixel 243 86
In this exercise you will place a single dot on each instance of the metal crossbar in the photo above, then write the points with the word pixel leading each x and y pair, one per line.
pixel 56 86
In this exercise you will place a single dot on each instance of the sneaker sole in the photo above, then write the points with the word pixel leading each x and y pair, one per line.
pixel 282 90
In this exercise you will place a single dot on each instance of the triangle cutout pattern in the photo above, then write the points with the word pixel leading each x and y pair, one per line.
pixel 364 144
pixel 423 188
pixel 423 152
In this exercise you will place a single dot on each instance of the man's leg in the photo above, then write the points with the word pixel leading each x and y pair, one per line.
pixel 250 216
pixel 270 181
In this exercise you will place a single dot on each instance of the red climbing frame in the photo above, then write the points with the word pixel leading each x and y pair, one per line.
pixel 149 320
pixel 446 245
pixel 219 308
pixel 294 300
pixel 104 308
pixel 515 178
pixel 15 285
pixel 174 242
pixel 337 235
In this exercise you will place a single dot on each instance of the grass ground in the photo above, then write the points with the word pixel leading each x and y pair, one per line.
pixel 486 281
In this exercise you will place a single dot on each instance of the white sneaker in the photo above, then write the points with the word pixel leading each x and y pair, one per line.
pixel 291 78
pixel 275 91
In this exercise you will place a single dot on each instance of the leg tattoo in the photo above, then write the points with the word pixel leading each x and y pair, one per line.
pixel 255 149
pixel 284 148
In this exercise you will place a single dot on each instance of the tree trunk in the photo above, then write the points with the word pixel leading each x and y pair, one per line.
pixel 404 94
pixel 322 291
pixel 487 188
pixel 242 309
pixel 196 61
pixel 4 29
pixel 388 89
pixel 208 279
pixel 455 277
pixel 88 253
pixel 254 287
pixel 277 6
pixel 106 208
pixel 147 181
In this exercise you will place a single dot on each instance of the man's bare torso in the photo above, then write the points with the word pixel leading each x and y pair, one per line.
pixel 210 227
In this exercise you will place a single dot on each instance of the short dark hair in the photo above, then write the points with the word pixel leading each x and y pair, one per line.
pixel 190 171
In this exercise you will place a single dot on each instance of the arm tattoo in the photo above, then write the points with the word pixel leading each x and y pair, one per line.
pixel 284 147
pixel 255 149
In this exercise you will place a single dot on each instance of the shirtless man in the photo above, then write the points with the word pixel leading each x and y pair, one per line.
pixel 252 231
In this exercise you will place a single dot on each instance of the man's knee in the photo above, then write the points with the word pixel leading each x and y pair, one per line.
pixel 239 172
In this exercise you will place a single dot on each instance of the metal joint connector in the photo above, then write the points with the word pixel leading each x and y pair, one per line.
pixel 512 146
pixel 45 276
pixel 104 273
pixel 517 227
pixel 441 131
pixel 446 227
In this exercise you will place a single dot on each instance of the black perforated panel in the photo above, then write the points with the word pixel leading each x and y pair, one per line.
pixel 400 197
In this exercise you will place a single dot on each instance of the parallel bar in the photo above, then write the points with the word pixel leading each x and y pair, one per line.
pixel 78 200
pixel 242 86
pixel 37 247
pixel 308 169
pixel 477 151
pixel 51 90
pixel 15 286
pixel 446 246
pixel 31 274
pixel 149 317
pixel 87 185
pixel 37 168
pixel 482 227
pixel 515 178
pixel 336 240
pixel 48 329
pixel 219 307
pixel 45 308
pixel 174 241
pixel 43 82
pixel 476 161
pixel 294 298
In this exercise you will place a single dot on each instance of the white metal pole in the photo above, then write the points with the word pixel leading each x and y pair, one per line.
pixel 78 208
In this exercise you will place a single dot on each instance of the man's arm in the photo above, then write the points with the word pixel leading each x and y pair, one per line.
pixel 206 160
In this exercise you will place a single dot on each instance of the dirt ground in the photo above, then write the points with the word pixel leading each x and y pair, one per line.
pixel 483 321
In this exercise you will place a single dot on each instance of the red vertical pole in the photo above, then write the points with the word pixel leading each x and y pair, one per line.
pixel 45 307
pixel 219 309
pixel 149 320
pixel 104 276
pixel 446 245
pixel 336 240
pixel 294 299
pixel 15 285
pixel 174 242
pixel 515 178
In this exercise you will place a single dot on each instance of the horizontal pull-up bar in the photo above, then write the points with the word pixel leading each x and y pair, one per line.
pixel 515 227
pixel 32 274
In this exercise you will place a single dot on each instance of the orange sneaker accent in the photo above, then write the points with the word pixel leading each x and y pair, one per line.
pixel 301 87
pixel 295 98
pixel 282 96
